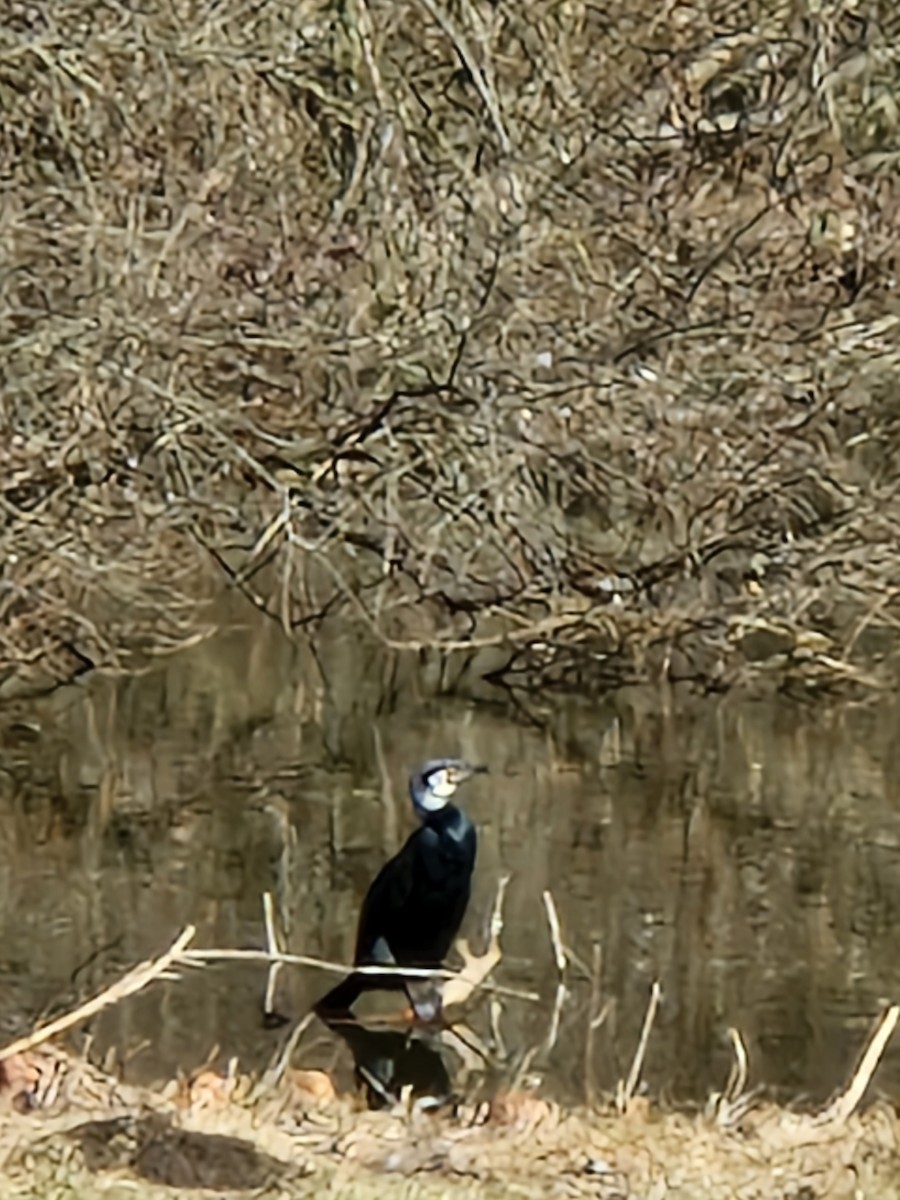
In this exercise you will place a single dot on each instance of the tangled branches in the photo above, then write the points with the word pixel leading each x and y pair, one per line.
pixel 423 313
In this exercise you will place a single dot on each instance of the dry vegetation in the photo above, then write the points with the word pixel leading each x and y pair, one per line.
pixel 558 331
pixel 300 1141
pixel 564 327
pixel 64 1123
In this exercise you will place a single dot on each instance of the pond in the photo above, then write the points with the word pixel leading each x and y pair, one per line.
pixel 746 854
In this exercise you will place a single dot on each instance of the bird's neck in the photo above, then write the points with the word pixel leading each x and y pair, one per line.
pixel 439 815
pixel 449 818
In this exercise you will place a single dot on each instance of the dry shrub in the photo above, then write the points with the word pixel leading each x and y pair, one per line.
pixel 564 327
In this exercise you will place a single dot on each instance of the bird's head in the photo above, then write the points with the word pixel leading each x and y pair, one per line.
pixel 433 785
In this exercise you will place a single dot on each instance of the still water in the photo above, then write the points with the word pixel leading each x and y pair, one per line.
pixel 746 855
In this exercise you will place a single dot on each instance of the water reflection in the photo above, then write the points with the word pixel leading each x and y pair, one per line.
pixel 746 855
pixel 388 1062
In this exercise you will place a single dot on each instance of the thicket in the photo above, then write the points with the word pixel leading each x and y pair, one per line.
pixel 563 332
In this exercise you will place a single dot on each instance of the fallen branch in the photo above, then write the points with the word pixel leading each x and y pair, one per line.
pixel 203 957
pixel 472 977
pixel 135 981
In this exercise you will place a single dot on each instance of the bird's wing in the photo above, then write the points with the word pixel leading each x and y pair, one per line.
pixel 388 894
pixel 456 908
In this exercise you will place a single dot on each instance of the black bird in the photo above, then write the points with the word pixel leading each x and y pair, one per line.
pixel 415 904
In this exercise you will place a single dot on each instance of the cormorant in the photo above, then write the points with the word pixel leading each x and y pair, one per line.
pixel 415 904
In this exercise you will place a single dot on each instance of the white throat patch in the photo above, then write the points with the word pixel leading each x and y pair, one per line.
pixel 431 802
pixel 435 795
pixel 441 785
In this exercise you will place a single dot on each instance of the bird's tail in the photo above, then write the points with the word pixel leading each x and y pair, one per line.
pixel 341 998
pixel 339 1001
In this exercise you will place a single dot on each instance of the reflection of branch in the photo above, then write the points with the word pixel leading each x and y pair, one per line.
pixel 595 1018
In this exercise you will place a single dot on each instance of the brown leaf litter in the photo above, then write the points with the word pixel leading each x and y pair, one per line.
pixel 210 1132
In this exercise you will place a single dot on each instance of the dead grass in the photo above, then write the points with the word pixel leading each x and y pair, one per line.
pixel 63 1120
pixel 99 1134
pixel 425 312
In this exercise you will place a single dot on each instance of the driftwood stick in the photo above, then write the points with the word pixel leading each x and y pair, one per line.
pixel 135 981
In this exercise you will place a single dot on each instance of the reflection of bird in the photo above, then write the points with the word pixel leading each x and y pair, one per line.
pixel 415 904
pixel 386 1061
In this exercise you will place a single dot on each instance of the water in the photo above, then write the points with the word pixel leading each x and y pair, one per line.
pixel 746 855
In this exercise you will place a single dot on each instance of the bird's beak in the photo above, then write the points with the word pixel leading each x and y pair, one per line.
pixel 466 771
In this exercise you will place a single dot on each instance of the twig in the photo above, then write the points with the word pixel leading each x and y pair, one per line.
pixel 495 1011
pixel 553 1032
pixel 602 1014
pixel 375 1084
pixel 135 981
pixel 478 76
pixel 737 1077
pixel 496 924
pixel 844 1104
pixel 287 571
pixel 555 937
pixel 596 963
pixel 467 1044
pixel 366 34
pixel 731 1105
pixel 524 1067
pixel 391 826
pixel 269 921
pixel 274 1074
pixel 278 809
pixel 306 960
pixel 477 967
pixel 274 949
pixel 625 1092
